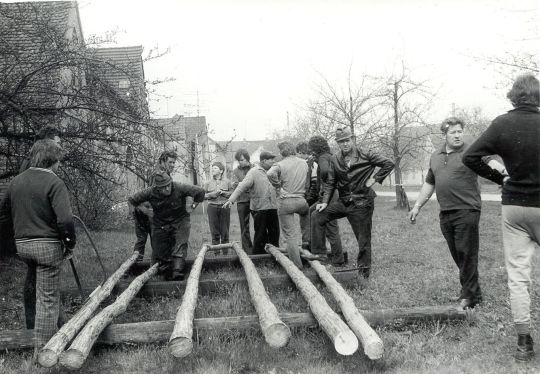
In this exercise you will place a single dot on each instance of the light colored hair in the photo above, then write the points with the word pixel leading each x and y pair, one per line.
pixel 286 148
pixel 45 153
pixel 525 91
pixel 451 121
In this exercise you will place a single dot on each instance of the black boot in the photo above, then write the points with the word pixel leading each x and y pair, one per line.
pixel 525 349
pixel 178 268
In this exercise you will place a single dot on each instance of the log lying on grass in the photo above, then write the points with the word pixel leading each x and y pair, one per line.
pixel 275 332
pixel 372 343
pixel 181 343
pixel 77 353
pixel 48 356
pixel 345 342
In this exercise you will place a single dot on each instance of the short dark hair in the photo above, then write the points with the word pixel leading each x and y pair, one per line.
pixel 45 153
pixel 241 152
pixel 318 145
pixel 525 91
pixel 265 155
pixel 167 154
pixel 48 132
pixel 286 148
pixel 302 147
pixel 451 121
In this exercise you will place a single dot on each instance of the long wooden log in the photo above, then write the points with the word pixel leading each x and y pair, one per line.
pixel 217 247
pixel 160 331
pixel 77 353
pixel 181 343
pixel 48 356
pixel 372 343
pixel 159 288
pixel 276 333
pixel 344 340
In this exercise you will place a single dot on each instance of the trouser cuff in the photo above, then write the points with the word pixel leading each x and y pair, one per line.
pixel 523 328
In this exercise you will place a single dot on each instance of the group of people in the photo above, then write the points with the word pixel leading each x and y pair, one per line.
pixel 309 182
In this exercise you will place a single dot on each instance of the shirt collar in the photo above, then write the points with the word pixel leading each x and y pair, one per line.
pixel 459 150
pixel 42 169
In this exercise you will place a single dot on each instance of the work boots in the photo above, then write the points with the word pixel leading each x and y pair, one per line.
pixel 178 268
pixel 525 349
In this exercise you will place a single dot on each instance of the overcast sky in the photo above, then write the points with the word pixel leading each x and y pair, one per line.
pixel 250 62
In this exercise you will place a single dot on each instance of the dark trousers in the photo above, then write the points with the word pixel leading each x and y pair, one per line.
pixel 243 218
pixel 359 214
pixel 219 220
pixel 142 230
pixel 266 223
pixel 332 234
pixel 170 241
pixel 460 229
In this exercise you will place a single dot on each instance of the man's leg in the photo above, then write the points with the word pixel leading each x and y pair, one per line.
pixel 180 248
pixel 243 218
pixel 162 242
pixel 319 220
pixel 360 218
pixel 305 221
pixel 225 223
pixel 213 222
pixel 29 294
pixel 272 227
pixel 286 210
pixel 142 230
pixel 332 233
pixel 260 238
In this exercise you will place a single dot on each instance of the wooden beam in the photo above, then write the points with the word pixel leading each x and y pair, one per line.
pixel 157 288
pixel 160 331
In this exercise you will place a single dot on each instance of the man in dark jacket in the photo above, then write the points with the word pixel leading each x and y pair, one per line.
pixel 170 221
pixel 515 136
pixel 242 203
pixel 352 169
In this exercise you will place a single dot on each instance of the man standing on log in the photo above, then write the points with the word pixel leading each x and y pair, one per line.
pixel 515 137
pixel 170 222
pixel 262 196
pixel 143 213
pixel 289 177
pixel 352 167
pixel 242 202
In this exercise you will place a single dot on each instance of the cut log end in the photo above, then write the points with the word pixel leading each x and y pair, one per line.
pixel 374 350
pixel 72 359
pixel 180 347
pixel 277 335
pixel 47 358
pixel 346 343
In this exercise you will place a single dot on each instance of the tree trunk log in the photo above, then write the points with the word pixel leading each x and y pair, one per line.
pixel 77 353
pixel 275 332
pixel 48 356
pixel 372 343
pixel 345 342
pixel 181 343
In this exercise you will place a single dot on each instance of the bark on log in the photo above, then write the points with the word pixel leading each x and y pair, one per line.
pixel 344 340
pixel 372 343
pixel 48 356
pixel 77 353
pixel 181 343
pixel 217 247
pixel 275 332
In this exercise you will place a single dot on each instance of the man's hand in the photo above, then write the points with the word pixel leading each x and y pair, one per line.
pixel 413 213
pixel 194 205
pixel 320 207
pixel 227 204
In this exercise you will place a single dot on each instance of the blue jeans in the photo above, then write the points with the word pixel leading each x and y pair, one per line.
pixel 292 232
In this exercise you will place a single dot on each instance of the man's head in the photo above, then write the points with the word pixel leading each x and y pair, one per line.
pixel 318 145
pixel 266 159
pixel 242 156
pixel 452 128
pixel 217 169
pixel 286 148
pixel 46 154
pixel 525 91
pixel 344 139
pixel 167 160
pixel 49 132
pixel 302 150
pixel 162 183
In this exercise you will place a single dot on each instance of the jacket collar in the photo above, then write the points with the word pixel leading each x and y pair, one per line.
pixel 525 108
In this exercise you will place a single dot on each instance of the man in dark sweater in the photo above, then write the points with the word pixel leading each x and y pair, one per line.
pixel 170 221
pixel 515 137
pixel 37 212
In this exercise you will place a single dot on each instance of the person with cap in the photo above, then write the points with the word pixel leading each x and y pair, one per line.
pixel 515 136
pixel 458 194
pixel 353 175
pixel 218 189
pixel 289 177
pixel 143 213
pixel 263 206
pixel 170 222
pixel 242 203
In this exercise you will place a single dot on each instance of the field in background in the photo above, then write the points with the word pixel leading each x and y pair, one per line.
pixel 411 267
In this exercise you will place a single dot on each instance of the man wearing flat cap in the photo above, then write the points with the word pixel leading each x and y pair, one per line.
pixel 353 175
pixel 170 222
pixel 263 206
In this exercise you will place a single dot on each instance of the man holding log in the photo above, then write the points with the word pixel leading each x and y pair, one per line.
pixel 354 174
pixel 170 223
pixel 262 197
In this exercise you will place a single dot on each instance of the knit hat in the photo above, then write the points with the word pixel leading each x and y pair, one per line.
pixel 161 179
pixel 343 133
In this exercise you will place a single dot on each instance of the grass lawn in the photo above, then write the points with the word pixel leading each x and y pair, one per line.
pixel 411 267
